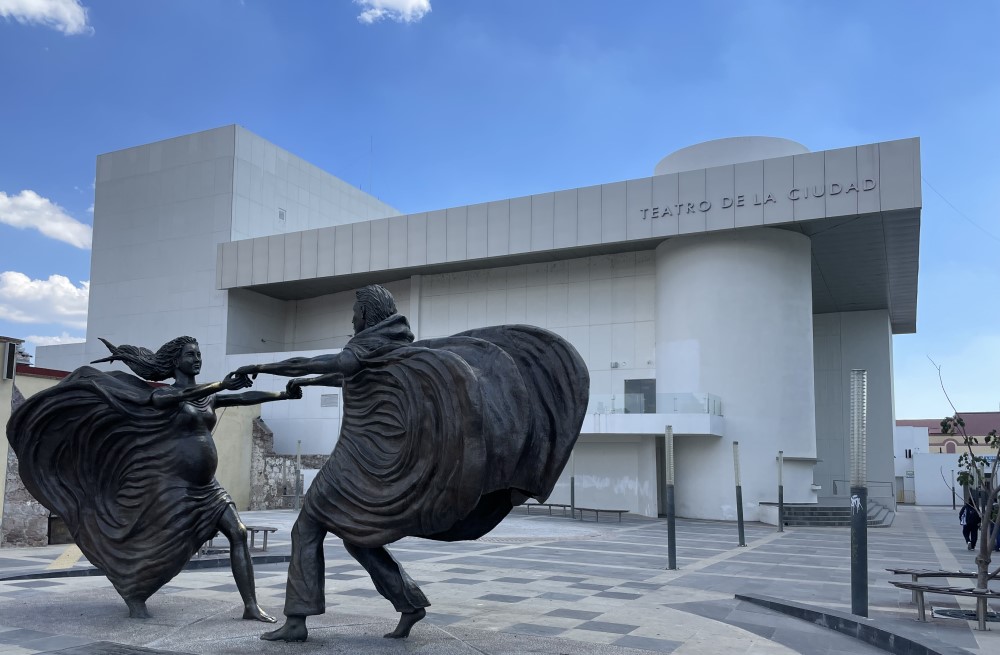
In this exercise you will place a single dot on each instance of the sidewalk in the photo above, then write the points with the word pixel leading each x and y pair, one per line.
pixel 537 584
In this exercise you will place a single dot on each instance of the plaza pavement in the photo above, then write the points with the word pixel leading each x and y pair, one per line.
pixel 536 584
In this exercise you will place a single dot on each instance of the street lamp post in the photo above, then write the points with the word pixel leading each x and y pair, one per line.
pixel 859 492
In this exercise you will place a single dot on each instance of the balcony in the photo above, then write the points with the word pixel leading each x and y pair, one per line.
pixel 698 414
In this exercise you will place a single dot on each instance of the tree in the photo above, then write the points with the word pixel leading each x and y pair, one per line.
pixel 978 475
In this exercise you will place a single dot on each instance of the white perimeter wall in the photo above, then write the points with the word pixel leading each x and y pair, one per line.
pixel 611 471
pixel 912 439
pixel 932 477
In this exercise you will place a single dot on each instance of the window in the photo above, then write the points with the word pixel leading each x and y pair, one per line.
pixel 640 396
pixel 949 447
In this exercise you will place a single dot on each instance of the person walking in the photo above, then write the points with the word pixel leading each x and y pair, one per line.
pixel 970 520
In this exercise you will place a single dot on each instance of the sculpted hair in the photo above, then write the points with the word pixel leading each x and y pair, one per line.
pixel 377 302
pixel 144 362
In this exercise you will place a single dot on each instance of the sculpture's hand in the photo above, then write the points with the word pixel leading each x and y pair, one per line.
pixel 249 370
pixel 293 389
pixel 236 380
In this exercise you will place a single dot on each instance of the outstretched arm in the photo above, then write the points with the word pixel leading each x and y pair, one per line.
pixel 172 396
pixel 328 380
pixel 256 397
pixel 343 363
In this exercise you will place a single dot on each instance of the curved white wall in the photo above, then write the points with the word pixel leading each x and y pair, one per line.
pixel 734 318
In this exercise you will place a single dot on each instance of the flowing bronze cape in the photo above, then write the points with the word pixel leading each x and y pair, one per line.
pixel 95 452
pixel 441 438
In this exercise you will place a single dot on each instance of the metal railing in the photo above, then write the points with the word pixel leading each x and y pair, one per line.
pixel 877 490
pixel 661 403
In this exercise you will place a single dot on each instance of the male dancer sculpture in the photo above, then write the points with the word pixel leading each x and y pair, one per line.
pixel 440 439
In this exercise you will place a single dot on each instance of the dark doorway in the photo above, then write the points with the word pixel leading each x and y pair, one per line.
pixel 640 396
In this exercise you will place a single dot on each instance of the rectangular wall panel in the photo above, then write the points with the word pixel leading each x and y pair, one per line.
pixel 498 228
pixel 779 178
pixel 416 244
pixel 809 183
pixel 638 201
pixel 361 241
pixel 841 173
pixel 520 225
pixel 457 247
pixel 663 213
pixel 343 261
pixel 588 211
pixel 397 241
pixel 437 237
pixel 379 245
pixel 565 219
pixel 613 212
pixel 309 254
pixel 691 198
pixel 749 201
pixel 542 221
pixel 477 231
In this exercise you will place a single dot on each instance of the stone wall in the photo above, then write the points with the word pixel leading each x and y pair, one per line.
pixel 25 521
pixel 272 476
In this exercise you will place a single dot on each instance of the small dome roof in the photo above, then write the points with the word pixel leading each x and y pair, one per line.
pixel 722 152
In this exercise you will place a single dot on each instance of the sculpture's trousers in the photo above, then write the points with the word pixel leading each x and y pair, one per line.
pixel 305 593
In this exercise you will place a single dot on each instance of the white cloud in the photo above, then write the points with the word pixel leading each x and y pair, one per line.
pixel 56 300
pixel 67 16
pixel 401 11
pixel 29 210
pixel 53 341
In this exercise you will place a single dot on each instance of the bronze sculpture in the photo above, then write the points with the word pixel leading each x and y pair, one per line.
pixel 130 467
pixel 440 439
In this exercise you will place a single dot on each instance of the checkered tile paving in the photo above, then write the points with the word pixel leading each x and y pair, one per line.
pixel 600 585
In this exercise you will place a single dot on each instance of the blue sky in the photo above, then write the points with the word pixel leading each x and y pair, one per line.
pixel 431 104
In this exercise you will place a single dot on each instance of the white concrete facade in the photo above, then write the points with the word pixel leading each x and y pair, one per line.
pixel 746 324
pixel 736 297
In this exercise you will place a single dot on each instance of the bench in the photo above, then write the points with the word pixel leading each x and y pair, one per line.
pixel 597 512
pixel 209 548
pixel 528 506
pixel 920 589
pixel 916 574
pixel 252 530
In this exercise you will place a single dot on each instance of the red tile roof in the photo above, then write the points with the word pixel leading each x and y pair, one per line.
pixel 977 424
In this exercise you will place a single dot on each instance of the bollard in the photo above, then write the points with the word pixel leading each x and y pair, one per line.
pixel 671 527
pixel 781 492
pixel 739 492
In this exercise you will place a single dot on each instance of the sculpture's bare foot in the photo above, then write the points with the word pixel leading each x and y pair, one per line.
pixel 406 621
pixel 257 613
pixel 293 630
pixel 137 609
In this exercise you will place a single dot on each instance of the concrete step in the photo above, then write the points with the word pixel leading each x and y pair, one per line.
pixel 879 516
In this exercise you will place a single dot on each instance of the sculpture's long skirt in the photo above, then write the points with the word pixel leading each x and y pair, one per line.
pixel 95 452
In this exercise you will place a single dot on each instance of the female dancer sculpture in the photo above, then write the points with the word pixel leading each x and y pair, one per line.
pixel 131 468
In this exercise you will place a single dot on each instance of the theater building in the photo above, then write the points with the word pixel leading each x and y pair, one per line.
pixel 729 295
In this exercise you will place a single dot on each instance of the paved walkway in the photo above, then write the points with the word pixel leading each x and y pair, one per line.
pixel 538 584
